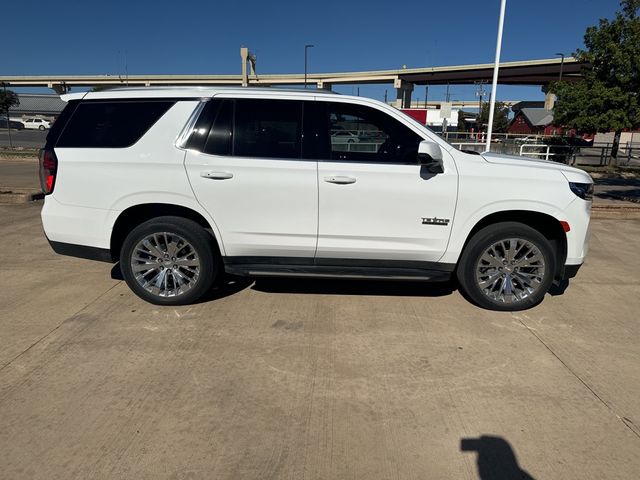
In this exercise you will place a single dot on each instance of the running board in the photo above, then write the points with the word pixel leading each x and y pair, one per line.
pixel 322 271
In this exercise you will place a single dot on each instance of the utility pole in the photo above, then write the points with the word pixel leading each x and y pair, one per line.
pixel 480 94
pixel 426 95
pixel 306 47
pixel 447 97
pixel 561 65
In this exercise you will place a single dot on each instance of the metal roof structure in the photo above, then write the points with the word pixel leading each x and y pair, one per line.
pixel 38 104
pixel 538 117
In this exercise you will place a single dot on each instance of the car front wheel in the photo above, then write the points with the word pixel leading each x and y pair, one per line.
pixel 507 266
pixel 169 261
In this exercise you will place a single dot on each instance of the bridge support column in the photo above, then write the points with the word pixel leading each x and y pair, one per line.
pixel 403 93
pixel 60 88
pixel 549 100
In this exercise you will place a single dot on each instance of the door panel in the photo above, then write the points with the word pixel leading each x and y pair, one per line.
pixel 379 216
pixel 267 208
pixel 251 179
pixel 373 195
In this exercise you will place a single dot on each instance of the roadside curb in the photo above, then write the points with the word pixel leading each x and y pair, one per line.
pixel 624 198
pixel 19 158
pixel 19 195
pixel 615 211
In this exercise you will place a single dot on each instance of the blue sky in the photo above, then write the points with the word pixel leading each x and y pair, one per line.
pixel 200 37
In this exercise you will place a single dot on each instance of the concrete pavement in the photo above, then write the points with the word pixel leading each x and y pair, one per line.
pixel 314 379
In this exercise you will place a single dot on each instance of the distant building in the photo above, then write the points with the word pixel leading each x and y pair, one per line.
pixel 516 107
pixel 37 105
pixel 432 118
pixel 534 121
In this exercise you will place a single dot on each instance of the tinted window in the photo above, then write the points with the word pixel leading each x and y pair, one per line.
pixel 315 135
pixel 60 123
pixel 220 134
pixel 200 131
pixel 360 133
pixel 267 128
pixel 111 124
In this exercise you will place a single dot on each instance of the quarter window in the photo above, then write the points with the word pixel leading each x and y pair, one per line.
pixel 111 124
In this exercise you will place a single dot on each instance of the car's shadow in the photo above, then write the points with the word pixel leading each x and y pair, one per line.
pixel 354 287
pixel 230 284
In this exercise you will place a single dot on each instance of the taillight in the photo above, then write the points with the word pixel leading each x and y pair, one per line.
pixel 48 170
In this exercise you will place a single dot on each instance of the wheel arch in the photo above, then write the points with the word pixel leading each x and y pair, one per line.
pixel 546 224
pixel 133 216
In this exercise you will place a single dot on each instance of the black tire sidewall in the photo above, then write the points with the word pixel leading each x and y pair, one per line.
pixel 190 231
pixel 481 241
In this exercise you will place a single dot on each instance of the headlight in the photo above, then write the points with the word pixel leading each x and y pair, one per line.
pixel 582 190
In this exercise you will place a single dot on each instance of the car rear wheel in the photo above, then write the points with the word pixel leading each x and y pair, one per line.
pixel 169 261
pixel 507 266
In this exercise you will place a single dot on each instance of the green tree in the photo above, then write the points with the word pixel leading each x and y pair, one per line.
pixel 500 117
pixel 8 99
pixel 607 99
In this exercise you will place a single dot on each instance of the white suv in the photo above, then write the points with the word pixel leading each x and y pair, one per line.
pixel 183 184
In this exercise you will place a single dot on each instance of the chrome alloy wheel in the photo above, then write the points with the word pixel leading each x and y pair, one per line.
pixel 510 270
pixel 165 264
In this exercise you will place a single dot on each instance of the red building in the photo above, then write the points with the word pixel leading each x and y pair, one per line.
pixel 534 121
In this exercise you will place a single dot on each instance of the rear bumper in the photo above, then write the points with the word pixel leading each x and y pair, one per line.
pixel 82 251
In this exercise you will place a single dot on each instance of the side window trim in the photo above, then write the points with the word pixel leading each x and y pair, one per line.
pixel 187 130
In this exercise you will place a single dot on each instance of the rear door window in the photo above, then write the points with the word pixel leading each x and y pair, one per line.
pixel 267 128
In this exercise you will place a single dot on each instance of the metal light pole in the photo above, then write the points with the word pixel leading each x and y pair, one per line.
pixel 496 67
pixel 561 65
pixel 306 47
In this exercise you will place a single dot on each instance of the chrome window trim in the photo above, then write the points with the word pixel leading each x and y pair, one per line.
pixel 188 128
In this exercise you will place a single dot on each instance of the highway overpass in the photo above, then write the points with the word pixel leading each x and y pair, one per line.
pixel 527 72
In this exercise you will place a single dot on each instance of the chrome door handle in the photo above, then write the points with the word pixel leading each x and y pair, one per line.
pixel 339 179
pixel 216 175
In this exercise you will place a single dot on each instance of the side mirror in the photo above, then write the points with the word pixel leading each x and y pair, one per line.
pixel 430 156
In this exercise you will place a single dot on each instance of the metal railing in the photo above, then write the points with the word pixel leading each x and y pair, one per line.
pixel 598 154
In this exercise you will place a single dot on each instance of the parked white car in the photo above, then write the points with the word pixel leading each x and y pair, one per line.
pixel 36 124
pixel 181 185
pixel 344 136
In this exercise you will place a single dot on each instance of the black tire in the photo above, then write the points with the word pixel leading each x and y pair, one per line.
pixel 199 240
pixel 481 242
pixel 41 127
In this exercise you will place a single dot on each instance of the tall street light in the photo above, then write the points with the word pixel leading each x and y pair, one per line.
pixel 561 65
pixel 306 47
pixel 496 67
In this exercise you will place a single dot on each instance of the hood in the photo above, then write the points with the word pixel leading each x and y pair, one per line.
pixel 571 173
